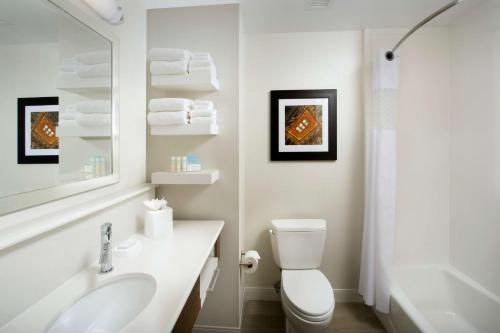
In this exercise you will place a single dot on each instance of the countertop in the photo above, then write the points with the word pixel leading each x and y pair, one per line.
pixel 175 263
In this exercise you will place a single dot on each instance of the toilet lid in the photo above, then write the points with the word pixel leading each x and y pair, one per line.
pixel 308 290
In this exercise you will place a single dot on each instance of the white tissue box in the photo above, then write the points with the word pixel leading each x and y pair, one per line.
pixel 158 223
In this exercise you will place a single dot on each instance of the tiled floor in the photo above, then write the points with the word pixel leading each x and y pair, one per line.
pixel 268 317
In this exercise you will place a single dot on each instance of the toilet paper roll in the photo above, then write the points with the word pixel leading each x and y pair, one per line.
pixel 250 261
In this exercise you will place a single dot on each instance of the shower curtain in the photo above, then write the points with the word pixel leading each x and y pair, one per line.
pixel 380 184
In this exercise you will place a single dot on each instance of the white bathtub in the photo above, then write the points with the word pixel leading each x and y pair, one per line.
pixel 440 299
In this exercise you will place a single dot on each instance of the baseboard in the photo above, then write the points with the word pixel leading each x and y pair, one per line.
pixel 386 321
pixel 214 329
pixel 269 294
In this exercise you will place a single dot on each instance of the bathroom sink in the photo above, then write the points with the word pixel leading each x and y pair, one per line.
pixel 108 308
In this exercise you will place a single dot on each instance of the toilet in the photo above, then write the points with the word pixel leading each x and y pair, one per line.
pixel 306 294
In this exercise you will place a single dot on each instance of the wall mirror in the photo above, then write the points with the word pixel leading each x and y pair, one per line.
pixel 58 102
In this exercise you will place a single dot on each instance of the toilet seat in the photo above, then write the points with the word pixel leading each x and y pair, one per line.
pixel 308 294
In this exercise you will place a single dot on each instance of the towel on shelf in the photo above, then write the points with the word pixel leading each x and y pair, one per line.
pixel 93 106
pixel 169 104
pixel 94 58
pixel 168 67
pixel 203 120
pixel 203 113
pixel 98 70
pixel 167 118
pixel 65 122
pixel 211 69
pixel 200 64
pixel 201 56
pixel 93 119
pixel 203 104
pixel 168 54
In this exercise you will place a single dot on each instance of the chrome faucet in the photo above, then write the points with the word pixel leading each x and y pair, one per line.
pixel 106 249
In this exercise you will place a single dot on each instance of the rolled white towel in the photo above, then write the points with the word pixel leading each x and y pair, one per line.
pixel 168 54
pixel 167 118
pixel 94 58
pixel 203 104
pixel 93 106
pixel 201 56
pixel 202 113
pixel 203 120
pixel 169 104
pixel 168 67
pixel 98 70
pixel 93 119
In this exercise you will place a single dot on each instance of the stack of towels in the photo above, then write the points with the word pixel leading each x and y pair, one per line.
pixel 166 61
pixel 169 111
pixel 203 112
pixel 169 61
pixel 88 65
pixel 93 113
pixel 180 111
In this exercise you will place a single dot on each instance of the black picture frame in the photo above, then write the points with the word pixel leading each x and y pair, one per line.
pixel 22 157
pixel 331 154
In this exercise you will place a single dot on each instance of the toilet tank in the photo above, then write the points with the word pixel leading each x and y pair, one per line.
pixel 298 243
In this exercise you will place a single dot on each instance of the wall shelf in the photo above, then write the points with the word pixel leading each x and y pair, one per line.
pixel 82 132
pixel 71 81
pixel 194 81
pixel 204 177
pixel 190 129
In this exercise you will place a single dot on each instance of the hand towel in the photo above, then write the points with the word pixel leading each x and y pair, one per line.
pixel 201 56
pixel 99 70
pixel 203 120
pixel 168 67
pixel 94 58
pixel 170 104
pixel 199 113
pixel 167 118
pixel 168 54
pixel 93 119
pixel 203 104
pixel 93 106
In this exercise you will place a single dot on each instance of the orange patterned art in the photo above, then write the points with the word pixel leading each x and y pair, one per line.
pixel 303 125
pixel 43 130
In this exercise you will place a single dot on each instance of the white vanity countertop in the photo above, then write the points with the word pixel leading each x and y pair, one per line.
pixel 175 264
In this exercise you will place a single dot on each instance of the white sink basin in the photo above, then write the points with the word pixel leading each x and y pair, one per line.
pixel 108 308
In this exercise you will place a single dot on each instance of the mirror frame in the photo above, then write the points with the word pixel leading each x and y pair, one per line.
pixel 15 202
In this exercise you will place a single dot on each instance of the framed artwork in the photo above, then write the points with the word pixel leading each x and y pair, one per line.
pixel 37 119
pixel 304 125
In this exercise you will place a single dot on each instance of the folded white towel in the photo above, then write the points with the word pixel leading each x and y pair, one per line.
pixel 93 106
pixel 93 119
pixel 167 118
pixel 98 70
pixel 198 113
pixel 201 56
pixel 170 104
pixel 203 104
pixel 203 120
pixel 168 54
pixel 94 58
pixel 210 70
pixel 168 67
pixel 200 63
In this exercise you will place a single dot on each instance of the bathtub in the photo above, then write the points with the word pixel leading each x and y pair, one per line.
pixel 440 299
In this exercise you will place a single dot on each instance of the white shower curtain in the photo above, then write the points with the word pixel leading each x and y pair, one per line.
pixel 380 184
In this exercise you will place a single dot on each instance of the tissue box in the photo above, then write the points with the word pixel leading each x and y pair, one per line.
pixel 158 223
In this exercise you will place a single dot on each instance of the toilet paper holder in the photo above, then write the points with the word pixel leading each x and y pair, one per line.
pixel 248 265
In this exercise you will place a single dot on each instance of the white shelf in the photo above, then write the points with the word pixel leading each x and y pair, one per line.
pixel 83 132
pixel 71 81
pixel 204 177
pixel 194 81
pixel 190 129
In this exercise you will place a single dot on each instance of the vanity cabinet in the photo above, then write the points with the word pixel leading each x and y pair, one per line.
pixel 204 284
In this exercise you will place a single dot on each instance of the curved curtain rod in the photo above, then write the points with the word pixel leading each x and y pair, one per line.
pixel 389 55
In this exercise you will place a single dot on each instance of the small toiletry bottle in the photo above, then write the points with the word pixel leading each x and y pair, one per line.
pixel 178 167
pixel 184 163
pixel 172 164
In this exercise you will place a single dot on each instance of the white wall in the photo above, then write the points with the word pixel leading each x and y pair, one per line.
pixel 24 75
pixel 475 145
pixel 214 29
pixel 329 190
pixel 423 163
pixel 33 268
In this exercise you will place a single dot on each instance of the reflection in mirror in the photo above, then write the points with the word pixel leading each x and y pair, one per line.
pixel 55 98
